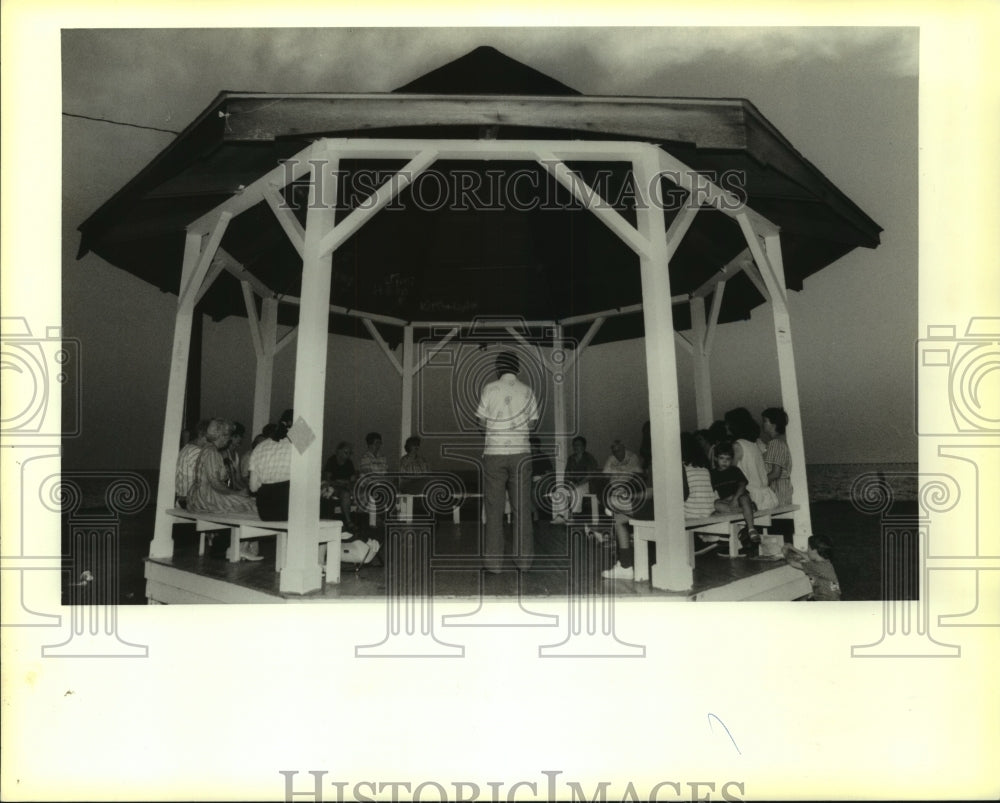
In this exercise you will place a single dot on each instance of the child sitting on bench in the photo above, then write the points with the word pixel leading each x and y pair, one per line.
pixel 731 486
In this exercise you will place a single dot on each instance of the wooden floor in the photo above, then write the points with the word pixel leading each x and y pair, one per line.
pixel 451 567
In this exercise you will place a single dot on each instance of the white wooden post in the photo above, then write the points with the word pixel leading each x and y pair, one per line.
pixel 406 415
pixel 702 367
pixel 775 278
pixel 265 365
pixel 674 570
pixel 559 378
pixel 301 572
pixel 162 545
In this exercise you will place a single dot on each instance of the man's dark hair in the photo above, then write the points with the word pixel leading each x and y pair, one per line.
pixel 507 363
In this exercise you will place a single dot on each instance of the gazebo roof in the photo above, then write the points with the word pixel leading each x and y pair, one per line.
pixel 415 263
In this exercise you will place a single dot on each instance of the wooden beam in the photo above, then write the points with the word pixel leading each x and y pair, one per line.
pixel 254 324
pixel 377 337
pixel 247 197
pixel 286 218
pixel 710 122
pixel 559 404
pixel 218 265
pixel 702 364
pixel 585 341
pixel 756 248
pixel 162 545
pixel 679 227
pixel 435 349
pixel 703 190
pixel 681 339
pixel 608 313
pixel 264 375
pixel 674 570
pixel 378 199
pixel 593 201
pixel 479 323
pixel 301 572
pixel 731 268
pixel 406 411
pixel 713 316
pixel 482 149
pixel 235 268
pixel 288 337
pixel 789 393
pixel 350 313
pixel 197 278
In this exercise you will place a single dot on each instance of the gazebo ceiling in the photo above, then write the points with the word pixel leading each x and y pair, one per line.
pixel 536 254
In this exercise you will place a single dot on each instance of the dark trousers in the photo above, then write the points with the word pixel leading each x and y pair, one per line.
pixel 507 475
pixel 272 501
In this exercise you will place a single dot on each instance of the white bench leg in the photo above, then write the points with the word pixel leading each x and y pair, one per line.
pixel 201 543
pixel 734 538
pixel 233 553
pixel 280 551
pixel 593 507
pixel 455 513
pixel 406 507
pixel 640 554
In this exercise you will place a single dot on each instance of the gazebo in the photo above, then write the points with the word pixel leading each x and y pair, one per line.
pixel 482 193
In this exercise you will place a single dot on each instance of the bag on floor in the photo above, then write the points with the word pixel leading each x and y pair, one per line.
pixel 358 551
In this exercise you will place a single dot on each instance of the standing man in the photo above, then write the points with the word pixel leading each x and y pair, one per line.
pixel 508 410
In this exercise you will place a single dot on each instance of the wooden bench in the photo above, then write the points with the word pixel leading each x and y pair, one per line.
pixel 245 526
pixel 405 507
pixel 727 525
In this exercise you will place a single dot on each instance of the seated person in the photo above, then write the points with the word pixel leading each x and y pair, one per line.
pixel 415 466
pixel 699 502
pixel 187 461
pixel 211 492
pixel 372 461
pixel 581 467
pixel 629 494
pixel 541 478
pixel 339 476
pixel 731 486
pixel 271 471
pixel 413 462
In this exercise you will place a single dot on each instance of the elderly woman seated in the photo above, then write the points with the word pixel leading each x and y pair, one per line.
pixel 212 491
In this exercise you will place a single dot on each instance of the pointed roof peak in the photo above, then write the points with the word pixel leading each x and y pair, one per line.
pixel 486 71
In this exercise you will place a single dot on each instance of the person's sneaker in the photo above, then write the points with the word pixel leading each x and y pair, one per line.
pixel 618 572
pixel 373 548
pixel 247 554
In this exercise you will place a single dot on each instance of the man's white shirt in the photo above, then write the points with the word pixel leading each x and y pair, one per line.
pixel 508 407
